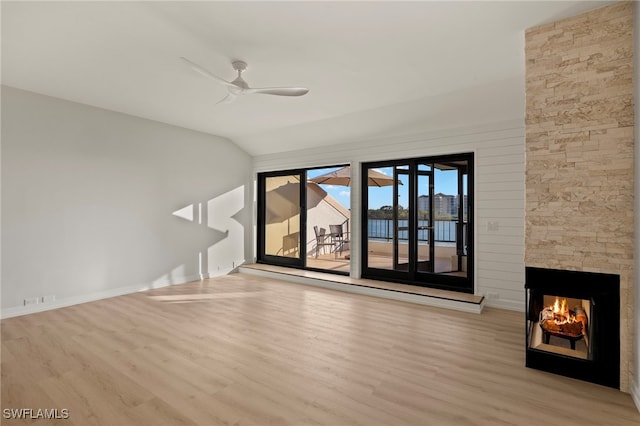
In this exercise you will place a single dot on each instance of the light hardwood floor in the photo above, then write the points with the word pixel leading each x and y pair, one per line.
pixel 246 350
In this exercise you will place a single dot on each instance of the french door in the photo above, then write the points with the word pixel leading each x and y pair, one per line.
pixel 417 226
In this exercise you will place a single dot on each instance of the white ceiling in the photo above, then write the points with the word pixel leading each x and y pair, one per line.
pixel 373 68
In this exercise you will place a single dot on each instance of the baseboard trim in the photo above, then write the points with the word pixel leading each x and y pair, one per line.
pixel 509 305
pixel 635 394
pixel 16 311
pixel 475 308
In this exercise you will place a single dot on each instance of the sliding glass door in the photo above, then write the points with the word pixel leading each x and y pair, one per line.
pixel 281 214
pixel 417 226
pixel 304 218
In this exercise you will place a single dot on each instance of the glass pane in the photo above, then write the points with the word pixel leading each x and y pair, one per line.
pixel 402 242
pixel 328 205
pixel 465 216
pixel 449 254
pixel 424 220
pixel 562 327
pixel 282 216
pixel 387 239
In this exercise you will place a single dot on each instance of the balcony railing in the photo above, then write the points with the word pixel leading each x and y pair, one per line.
pixel 445 231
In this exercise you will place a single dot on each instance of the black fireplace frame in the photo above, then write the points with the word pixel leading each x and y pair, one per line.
pixel 603 290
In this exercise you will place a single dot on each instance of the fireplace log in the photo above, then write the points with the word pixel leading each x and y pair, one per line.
pixel 581 316
pixel 573 329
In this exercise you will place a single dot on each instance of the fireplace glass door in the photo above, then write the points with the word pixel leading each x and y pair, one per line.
pixel 560 325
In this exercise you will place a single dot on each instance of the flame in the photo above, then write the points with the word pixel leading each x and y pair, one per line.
pixel 561 312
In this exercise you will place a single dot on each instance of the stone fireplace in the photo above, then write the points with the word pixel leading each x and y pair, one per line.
pixel 579 159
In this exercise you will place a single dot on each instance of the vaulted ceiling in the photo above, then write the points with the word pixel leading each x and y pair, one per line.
pixel 373 68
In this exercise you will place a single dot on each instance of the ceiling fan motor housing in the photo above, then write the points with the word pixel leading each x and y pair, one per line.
pixel 239 65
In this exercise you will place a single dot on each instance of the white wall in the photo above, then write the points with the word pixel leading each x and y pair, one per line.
pixel 499 189
pixel 635 380
pixel 89 196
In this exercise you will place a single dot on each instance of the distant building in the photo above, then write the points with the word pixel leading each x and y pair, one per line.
pixel 444 205
pixel 423 203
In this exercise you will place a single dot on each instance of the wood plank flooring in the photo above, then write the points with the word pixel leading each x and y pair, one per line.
pixel 253 351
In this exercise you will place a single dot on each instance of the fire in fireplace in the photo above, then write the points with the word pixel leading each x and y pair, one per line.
pixel 573 324
pixel 562 330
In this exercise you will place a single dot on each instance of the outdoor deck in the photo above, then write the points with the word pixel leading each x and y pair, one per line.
pixel 341 261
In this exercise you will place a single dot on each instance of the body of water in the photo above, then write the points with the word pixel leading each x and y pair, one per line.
pixel 445 230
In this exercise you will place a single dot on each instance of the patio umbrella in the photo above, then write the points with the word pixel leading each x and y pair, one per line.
pixel 282 202
pixel 343 177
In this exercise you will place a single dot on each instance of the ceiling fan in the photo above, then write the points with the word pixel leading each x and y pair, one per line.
pixel 239 87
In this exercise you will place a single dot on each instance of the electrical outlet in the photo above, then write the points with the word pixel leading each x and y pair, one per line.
pixel 31 301
pixel 492 295
pixel 48 299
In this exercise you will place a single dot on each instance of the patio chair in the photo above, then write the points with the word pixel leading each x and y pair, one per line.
pixel 339 238
pixel 322 239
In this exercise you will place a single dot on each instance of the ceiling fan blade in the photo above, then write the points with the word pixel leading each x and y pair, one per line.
pixel 280 91
pixel 227 99
pixel 197 68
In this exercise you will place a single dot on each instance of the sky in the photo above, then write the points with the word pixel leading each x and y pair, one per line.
pixel 446 183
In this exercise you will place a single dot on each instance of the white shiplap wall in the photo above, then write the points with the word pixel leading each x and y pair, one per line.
pixel 499 193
